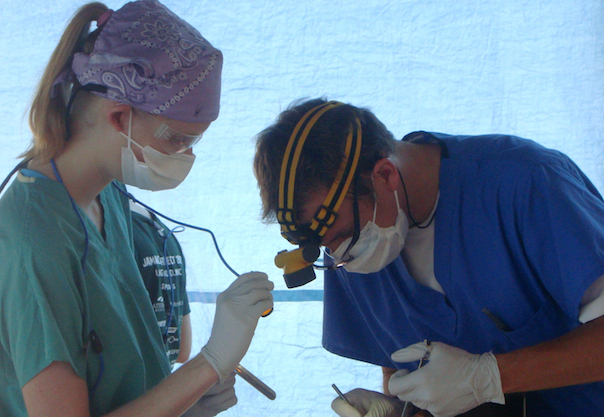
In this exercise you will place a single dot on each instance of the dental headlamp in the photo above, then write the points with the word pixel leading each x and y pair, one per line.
pixel 298 264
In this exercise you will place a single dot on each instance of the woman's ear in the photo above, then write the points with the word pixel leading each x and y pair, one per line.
pixel 118 116
pixel 385 176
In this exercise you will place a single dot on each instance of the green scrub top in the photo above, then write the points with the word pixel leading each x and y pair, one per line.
pixel 49 306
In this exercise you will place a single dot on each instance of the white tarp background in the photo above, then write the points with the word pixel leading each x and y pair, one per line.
pixel 530 68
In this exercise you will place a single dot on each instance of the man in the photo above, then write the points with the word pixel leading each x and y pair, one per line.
pixel 489 247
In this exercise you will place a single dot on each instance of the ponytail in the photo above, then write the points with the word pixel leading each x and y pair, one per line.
pixel 47 112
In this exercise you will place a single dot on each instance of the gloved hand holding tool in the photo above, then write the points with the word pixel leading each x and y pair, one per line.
pixel 217 399
pixel 364 403
pixel 238 309
pixel 452 382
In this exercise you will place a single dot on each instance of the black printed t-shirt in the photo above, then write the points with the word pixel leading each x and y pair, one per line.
pixel 164 277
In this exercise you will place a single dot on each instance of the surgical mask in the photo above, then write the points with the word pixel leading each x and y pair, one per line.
pixel 159 171
pixel 377 246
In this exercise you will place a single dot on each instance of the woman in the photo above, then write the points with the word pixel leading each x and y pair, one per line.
pixel 78 335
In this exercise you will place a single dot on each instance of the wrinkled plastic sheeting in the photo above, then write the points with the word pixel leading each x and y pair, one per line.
pixel 530 68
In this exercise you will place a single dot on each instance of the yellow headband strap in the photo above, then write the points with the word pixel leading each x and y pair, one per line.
pixel 326 214
pixel 290 161
pixel 339 188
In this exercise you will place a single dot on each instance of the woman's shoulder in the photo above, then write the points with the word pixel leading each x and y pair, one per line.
pixel 33 210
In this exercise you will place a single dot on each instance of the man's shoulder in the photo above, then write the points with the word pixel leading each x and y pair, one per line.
pixel 514 151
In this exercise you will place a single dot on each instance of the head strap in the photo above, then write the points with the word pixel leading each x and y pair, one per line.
pixel 326 214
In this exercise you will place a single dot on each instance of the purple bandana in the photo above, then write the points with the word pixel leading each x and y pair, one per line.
pixel 151 59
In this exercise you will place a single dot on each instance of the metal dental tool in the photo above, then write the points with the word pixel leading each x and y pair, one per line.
pixel 341 395
pixel 421 363
pixel 255 382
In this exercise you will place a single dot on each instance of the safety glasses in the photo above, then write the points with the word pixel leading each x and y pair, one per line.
pixel 174 141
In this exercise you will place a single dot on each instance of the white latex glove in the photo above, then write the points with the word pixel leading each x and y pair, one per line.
pixel 367 404
pixel 238 309
pixel 217 399
pixel 451 383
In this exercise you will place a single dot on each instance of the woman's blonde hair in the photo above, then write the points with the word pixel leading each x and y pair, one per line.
pixel 47 114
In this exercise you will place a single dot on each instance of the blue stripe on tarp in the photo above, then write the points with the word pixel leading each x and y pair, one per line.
pixel 281 295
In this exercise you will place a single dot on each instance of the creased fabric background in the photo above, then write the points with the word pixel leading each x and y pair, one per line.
pixel 529 68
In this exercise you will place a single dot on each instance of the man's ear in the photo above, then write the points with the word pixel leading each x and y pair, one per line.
pixel 118 117
pixel 385 176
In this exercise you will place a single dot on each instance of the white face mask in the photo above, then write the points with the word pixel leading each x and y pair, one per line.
pixel 377 246
pixel 160 171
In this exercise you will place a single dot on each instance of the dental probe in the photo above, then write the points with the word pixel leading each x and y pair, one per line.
pixel 255 382
pixel 421 363
pixel 341 395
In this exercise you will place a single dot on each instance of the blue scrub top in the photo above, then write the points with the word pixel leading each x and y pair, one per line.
pixel 519 237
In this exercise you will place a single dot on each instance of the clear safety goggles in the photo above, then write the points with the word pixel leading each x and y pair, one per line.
pixel 174 141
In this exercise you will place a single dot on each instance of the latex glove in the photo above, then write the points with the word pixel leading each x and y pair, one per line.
pixel 367 404
pixel 451 383
pixel 238 309
pixel 217 399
